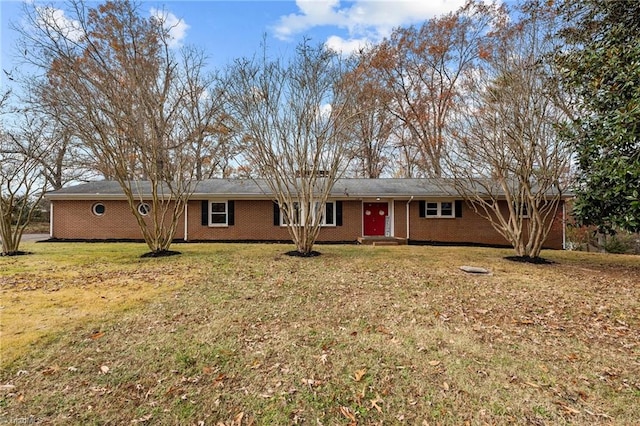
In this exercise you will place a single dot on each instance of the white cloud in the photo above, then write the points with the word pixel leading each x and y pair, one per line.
pixel 366 21
pixel 325 110
pixel 346 47
pixel 177 27
pixel 55 20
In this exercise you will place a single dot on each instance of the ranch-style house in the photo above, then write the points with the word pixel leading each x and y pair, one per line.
pixel 415 211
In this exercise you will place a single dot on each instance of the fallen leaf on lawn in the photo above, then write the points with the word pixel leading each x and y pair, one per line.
pixel 104 369
pixel 345 411
pixel 142 419
pixel 97 335
pixel 445 386
pixel 382 329
pixel 571 357
pixel 568 409
pixel 51 370
pixel 323 359
pixel 359 374
pixel 219 379
pixel 311 382
pixel 374 403
pixel 434 363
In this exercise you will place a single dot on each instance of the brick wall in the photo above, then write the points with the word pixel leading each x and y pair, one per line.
pixel 74 219
pixel 254 221
pixel 470 228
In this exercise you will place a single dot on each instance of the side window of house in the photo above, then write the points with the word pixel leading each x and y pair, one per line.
pixel 522 209
pixel 328 217
pixel 432 209
pixel 218 211
pixel 290 216
pixel 444 209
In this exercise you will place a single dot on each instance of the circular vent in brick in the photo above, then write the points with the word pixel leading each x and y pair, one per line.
pixel 98 209
pixel 144 209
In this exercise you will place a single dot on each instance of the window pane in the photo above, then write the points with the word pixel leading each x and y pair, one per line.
pixel 219 207
pixel 446 209
pixel 432 209
pixel 219 218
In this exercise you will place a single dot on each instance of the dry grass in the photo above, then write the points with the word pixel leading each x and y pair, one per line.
pixel 240 334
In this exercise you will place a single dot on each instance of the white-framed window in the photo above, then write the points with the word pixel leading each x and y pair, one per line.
pixel 218 213
pixel 98 209
pixel 439 209
pixel 523 210
pixel 326 217
pixel 329 216
pixel 144 209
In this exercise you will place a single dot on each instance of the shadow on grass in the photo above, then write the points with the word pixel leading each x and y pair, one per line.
pixel 528 259
pixel 161 253
pixel 296 253
pixel 16 253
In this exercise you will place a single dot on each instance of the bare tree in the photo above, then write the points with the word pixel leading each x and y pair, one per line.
pixel 507 160
pixel 294 121
pixel 371 148
pixel 141 110
pixel 421 68
pixel 22 180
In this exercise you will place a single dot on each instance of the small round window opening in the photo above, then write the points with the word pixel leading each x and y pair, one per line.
pixel 144 209
pixel 98 209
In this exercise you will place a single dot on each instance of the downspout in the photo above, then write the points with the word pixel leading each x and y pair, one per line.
pixel 51 219
pixel 408 202
pixel 564 226
pixel 186 221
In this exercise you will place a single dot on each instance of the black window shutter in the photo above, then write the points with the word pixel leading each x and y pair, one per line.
pixel 458 208
pixel 230 213
pixel 421 206
pixel 338 213
pixel 205 213
pixel 276 214
pixel 328 213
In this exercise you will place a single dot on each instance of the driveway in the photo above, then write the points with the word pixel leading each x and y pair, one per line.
pixel 34 237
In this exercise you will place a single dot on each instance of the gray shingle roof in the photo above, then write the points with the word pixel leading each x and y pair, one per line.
pixel 258 188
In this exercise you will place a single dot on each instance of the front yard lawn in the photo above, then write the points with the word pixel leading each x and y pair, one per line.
pixel 241 334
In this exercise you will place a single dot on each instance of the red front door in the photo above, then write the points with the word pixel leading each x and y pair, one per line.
pixel 374 218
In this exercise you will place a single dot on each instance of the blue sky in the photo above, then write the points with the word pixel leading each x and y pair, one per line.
pixel 229 29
